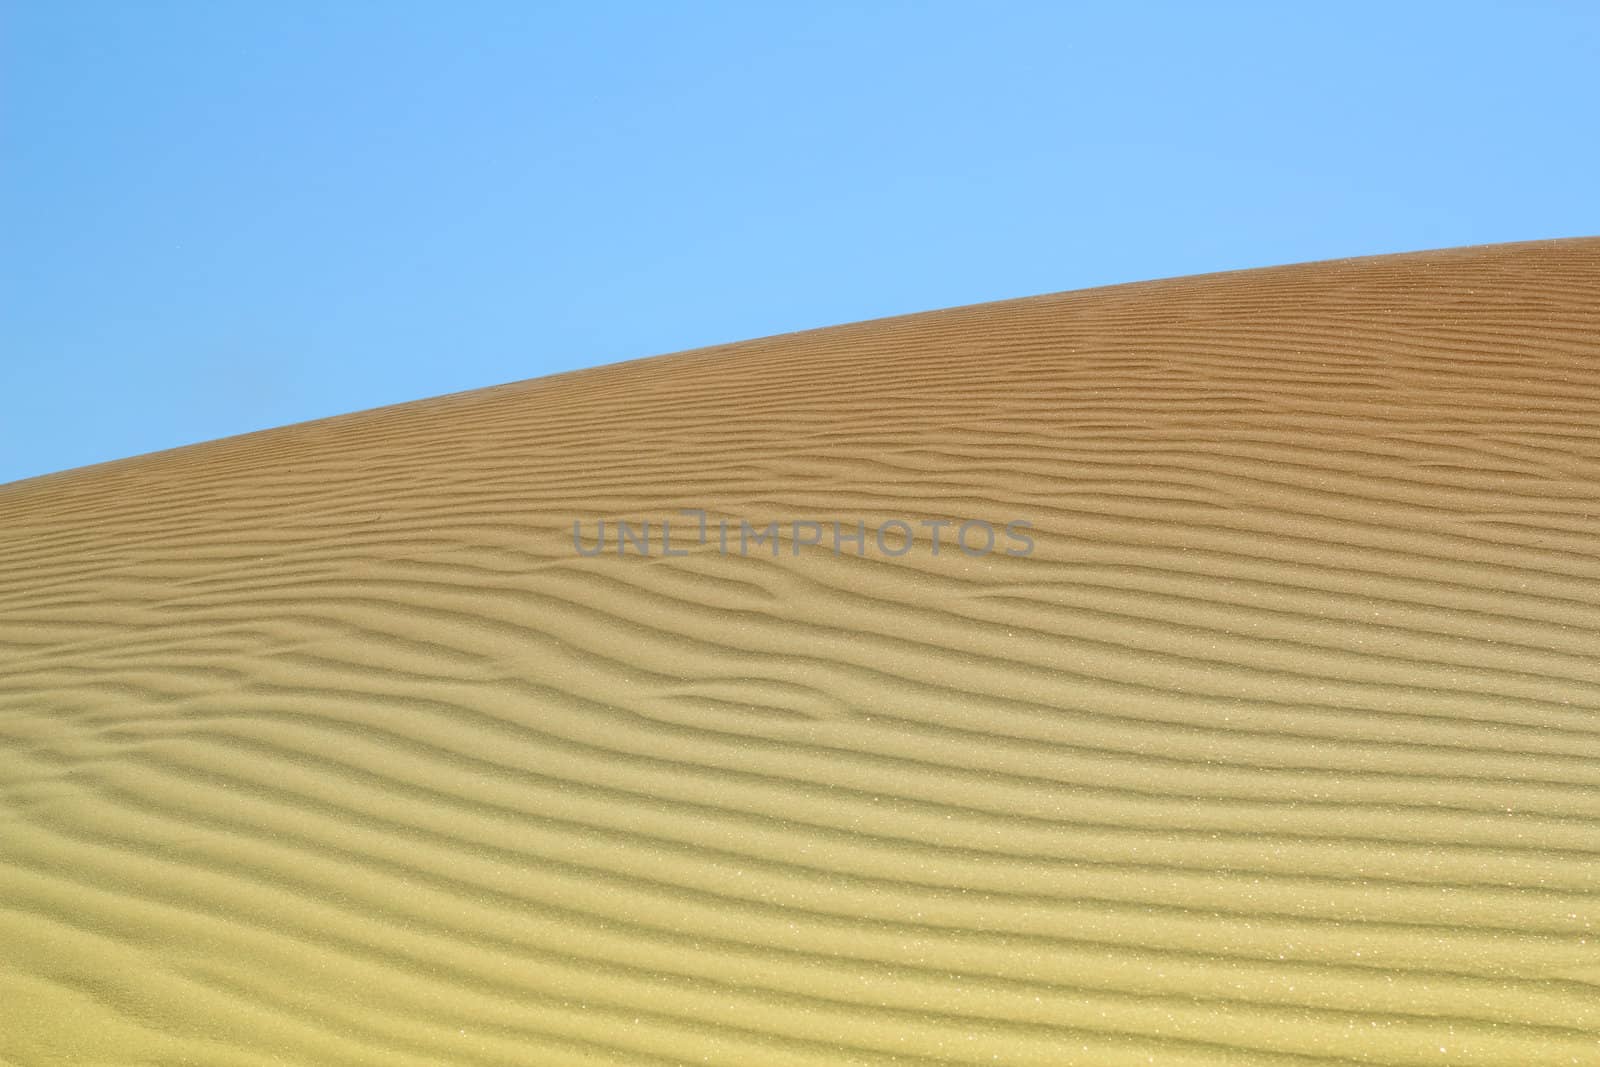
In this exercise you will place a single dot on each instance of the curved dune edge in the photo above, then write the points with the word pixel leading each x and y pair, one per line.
pixel 325 746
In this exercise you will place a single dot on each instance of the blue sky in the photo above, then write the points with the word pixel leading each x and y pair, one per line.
pixel 217 217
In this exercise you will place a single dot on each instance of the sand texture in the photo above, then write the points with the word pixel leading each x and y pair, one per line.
pixel 325 745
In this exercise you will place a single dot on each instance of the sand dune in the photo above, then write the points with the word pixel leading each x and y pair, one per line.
pixel 1279 743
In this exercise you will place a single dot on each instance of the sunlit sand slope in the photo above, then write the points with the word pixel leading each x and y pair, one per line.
pixel 330 745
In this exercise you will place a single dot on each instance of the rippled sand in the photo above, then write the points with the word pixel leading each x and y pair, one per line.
pixel 326 745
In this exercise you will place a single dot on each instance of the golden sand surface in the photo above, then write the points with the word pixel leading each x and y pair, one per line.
pixel 328 745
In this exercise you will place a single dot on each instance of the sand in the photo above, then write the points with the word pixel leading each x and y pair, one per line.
pixel 1280 744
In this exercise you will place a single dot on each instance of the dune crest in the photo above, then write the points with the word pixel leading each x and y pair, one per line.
pixel 1280 744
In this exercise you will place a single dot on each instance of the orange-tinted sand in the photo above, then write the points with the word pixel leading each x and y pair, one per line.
pixel 1282 746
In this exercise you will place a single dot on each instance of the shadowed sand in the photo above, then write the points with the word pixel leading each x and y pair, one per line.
pixel 324 745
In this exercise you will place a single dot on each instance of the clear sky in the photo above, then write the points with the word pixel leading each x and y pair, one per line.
pixel 218 216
